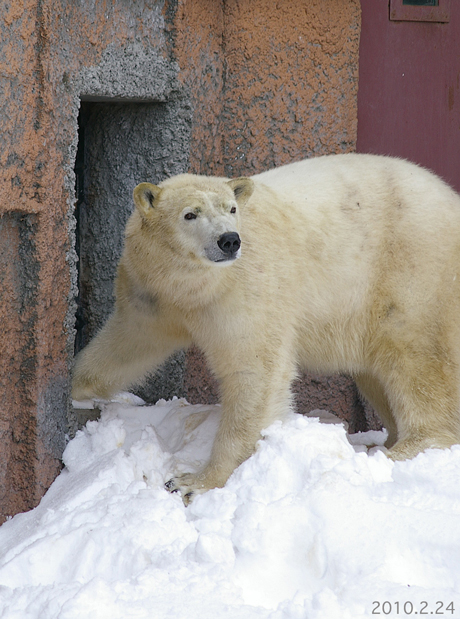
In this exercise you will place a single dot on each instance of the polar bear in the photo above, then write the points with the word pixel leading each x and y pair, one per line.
pixel 343 263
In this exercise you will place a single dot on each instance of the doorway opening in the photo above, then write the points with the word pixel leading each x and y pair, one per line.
pixel 119 146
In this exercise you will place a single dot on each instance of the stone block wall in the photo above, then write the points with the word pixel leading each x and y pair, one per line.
pixel 98 96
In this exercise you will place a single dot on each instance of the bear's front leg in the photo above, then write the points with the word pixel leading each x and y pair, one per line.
pixel 251 401
pixel 130 345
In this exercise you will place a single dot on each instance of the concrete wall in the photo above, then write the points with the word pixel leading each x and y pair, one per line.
pixel 157 88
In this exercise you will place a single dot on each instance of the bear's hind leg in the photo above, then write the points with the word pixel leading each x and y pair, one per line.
pixel 374 393
pixel 424 400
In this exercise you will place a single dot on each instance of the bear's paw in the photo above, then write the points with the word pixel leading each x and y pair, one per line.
pixel 189 485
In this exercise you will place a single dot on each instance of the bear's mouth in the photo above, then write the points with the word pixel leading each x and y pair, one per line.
pixel 217 256
pixel 225 260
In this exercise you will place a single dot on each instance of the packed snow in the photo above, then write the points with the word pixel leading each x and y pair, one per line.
pixel 313 526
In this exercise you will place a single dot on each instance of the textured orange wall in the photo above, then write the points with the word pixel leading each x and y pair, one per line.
pixel 291 81
pixel 271 82
pixel 32 347
pixel 197 29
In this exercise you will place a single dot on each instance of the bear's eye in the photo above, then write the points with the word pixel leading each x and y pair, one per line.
pixel 233 210
pixel 190 216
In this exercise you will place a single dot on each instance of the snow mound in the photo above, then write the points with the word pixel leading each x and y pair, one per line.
pixel 310 526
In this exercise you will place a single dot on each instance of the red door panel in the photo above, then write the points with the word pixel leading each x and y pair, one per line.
pixel 409 86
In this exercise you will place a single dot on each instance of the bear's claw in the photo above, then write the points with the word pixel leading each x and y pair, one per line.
pixel 182 484
pixel 171 486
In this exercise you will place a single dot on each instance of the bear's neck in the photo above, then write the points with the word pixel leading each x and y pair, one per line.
pixel 183 286
pixel 195 288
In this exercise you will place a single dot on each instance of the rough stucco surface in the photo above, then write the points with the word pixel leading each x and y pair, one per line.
pixel 218 87
pixel 272 83
pixel 291 81
pixel 198 44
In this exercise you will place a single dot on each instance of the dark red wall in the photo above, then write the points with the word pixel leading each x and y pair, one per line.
pixel 409 88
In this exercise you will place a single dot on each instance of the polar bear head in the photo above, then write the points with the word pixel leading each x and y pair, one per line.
pixel 196 216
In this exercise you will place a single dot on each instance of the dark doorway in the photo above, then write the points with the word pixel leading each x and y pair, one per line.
pixel 120 145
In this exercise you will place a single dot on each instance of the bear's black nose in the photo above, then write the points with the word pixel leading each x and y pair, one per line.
pixel 229 243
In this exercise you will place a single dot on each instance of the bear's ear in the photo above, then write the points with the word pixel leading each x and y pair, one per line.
pixel 146 197
pixel 242 188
